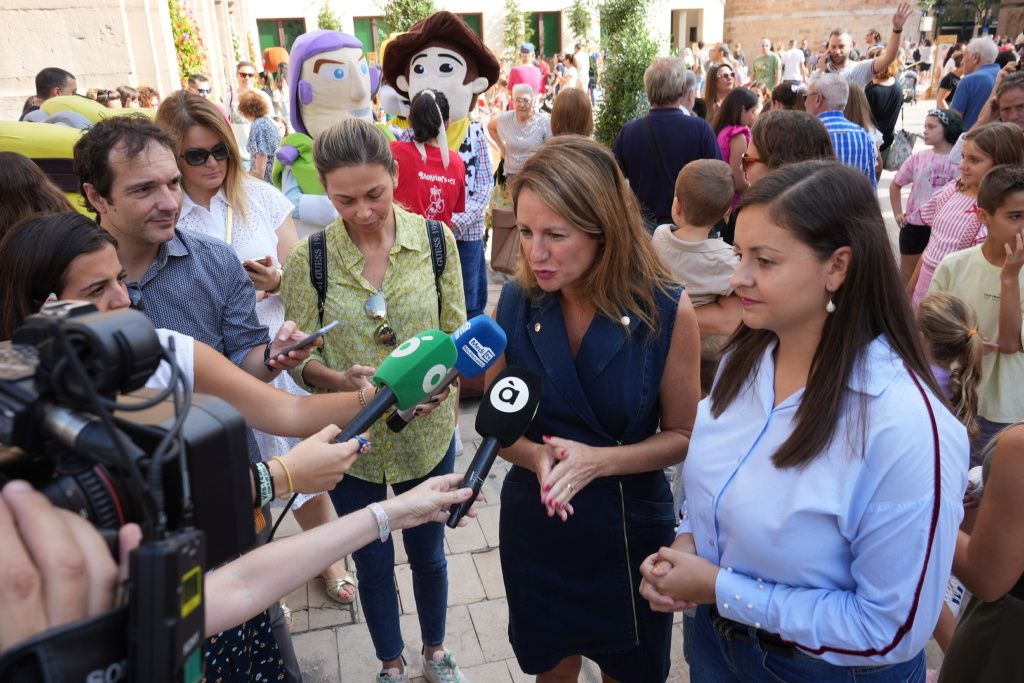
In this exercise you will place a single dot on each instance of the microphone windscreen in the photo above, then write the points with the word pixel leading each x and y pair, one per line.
pixel 509 405
pixel 479 342
pixel 416 367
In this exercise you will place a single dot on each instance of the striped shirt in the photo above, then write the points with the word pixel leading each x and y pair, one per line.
pixel 852 144
pixel 953 218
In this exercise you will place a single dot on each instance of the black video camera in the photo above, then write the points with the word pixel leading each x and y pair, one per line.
pixel 74 424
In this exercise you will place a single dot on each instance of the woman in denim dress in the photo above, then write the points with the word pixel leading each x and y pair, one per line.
pixel 594 312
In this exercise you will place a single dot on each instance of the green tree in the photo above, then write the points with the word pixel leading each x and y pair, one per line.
pixel 400 15
pixel 327 19
pixel 516 30
pixel 579 20
pixel 629 49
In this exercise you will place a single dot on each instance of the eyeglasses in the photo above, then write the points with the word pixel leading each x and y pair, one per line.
pixel 523 100
pixel 726 74
pixel 203 91
pixel 376 308
pixel 746 161
pixel 135 294
pixel 197 157
pixel 246 74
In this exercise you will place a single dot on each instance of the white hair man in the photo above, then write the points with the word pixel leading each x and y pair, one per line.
pixel 826 98
pixel 980 72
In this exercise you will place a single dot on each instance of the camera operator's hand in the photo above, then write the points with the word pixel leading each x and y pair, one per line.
pixel 429 502
pixel 318 463
pixel 55 567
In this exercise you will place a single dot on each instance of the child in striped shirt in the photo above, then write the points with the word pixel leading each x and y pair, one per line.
pixel 952 212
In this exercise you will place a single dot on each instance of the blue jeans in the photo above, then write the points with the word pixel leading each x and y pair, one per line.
pixel 375 564
pixel 474 276
pixel 714 659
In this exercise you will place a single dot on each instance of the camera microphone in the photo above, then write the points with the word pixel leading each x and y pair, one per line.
pixel 412 372
pixel 505 413
pixel 480 342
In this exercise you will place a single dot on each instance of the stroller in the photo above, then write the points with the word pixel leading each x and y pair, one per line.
pixel 908 82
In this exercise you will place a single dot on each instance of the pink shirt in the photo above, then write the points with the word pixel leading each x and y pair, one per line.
pixel 724 139
pixel 926 172
pixel 955 226
pixel 525 73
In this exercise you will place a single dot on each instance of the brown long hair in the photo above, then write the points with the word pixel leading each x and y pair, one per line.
pixel 951 327
pixel 26 190
pixel 572 114
pixel 828 205
pixel 182 110
pixel 580 181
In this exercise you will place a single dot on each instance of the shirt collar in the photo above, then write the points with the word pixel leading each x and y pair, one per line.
pixel 410 233
pixel 187 205
pixel 175 247
pixel 876 367
pixel 833 114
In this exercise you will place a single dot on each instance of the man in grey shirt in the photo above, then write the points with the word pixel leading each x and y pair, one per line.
pixel 836 59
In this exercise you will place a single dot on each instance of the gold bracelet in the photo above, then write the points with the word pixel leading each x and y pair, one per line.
pixel 362 396
pixel 287 473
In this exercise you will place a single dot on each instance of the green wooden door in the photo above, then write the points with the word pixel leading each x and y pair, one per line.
pixel 473 21
pixel 267 29
pixel 544 30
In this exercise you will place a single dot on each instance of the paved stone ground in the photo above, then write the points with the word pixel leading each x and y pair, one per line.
pixel 332 641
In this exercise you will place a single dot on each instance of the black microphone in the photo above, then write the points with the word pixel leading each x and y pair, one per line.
pixel 505 414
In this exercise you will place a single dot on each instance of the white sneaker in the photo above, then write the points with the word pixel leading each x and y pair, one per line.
pixel 442 668
pixel 458 441
pixel 394 675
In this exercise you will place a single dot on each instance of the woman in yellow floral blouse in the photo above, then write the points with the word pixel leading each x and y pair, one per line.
pixel 381 287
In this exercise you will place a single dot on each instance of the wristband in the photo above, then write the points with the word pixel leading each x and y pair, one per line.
pixel 287 473
pixel 897 30
pixel 266 358
pixel 266 483
pixel 383 523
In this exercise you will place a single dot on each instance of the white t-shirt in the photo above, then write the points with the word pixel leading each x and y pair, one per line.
pixel 571 76
pixel 184 350
pixel 583 67
pixel 792 60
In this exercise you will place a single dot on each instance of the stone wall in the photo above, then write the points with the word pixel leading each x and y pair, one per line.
pixel 748 21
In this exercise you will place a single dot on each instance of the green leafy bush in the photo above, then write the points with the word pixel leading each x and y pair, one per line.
pixel 327 19
pixel 188 43
pixel 400 15
pixel 629 51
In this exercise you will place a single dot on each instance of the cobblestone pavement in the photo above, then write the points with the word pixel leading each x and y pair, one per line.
pixel 332 641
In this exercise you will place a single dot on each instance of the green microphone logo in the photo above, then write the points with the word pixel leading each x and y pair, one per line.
pixel 417 366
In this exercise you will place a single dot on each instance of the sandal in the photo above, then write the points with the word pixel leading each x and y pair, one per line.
pixel 336 589
pixel 289 622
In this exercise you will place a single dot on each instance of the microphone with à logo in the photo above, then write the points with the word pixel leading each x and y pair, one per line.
pixel 505 414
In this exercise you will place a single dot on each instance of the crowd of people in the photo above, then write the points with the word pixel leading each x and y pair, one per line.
pixel 755 410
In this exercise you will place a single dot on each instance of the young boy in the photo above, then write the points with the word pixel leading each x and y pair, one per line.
pixel 988 277
pixel 703 195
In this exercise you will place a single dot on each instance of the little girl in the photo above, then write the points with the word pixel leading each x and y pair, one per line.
pixel 431 177
pixel 926 172
pixel 732 125
pixel 954 347
pixel 951 213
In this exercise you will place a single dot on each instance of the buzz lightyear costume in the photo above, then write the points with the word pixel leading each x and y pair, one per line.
pixel 333 82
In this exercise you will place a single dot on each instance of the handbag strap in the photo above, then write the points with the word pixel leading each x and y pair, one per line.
pixel 657 155
pixel 438 257
pixel 318 270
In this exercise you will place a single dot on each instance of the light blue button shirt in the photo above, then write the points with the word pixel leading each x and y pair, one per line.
pixel 832 556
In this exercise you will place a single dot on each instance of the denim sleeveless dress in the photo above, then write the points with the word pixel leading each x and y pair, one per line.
pixel 573 587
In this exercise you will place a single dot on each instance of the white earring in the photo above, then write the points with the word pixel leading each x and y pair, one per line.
pixel 830 307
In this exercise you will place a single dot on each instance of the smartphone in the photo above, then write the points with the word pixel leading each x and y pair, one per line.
pixel 265 261
pixel 303 343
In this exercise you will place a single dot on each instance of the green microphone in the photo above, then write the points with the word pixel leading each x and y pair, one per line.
pixel 406 377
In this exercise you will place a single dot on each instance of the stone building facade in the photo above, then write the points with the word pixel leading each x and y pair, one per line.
pixel 748 21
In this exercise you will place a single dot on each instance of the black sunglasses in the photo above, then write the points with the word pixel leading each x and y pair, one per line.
pixel 198 157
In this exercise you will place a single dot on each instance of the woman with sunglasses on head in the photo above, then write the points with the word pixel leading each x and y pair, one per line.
pixel 825 475
pixel 254 218
pixel 380 284
pixel 720 81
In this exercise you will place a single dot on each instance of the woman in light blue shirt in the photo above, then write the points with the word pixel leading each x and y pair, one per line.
pixel 825 472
